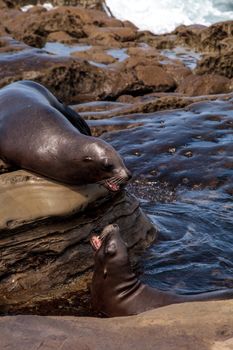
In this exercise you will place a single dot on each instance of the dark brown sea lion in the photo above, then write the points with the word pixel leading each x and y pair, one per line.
pixel 40 134
pixel 116 291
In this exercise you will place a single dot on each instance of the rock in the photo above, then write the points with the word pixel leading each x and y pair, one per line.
pixel 130 105
pixel 147 52
pixel 62 37
pixel 37 26
pixel 193 326
pixel 177 70
pixel 197 85
pixel 138 76
pixel 189 35
pixel 218 37
pixel 8 4
pixel 44 233
pixel 40 198
pixel 110 36
pixel 70 79
pixel 96 54
pixel 216 63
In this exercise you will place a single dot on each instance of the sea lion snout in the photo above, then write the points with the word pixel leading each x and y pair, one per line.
pixel 110 229
pixel 125 174
pixel 128 174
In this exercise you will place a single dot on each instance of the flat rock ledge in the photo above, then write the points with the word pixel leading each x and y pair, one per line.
pixel 190 326
pixel 44 235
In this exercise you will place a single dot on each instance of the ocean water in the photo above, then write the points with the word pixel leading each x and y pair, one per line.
pixel 181 161
pixel 162 16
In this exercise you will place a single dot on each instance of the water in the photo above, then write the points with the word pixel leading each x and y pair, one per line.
pixel 188 57
pixel 194 253
pixel 47 5
pixel 182 161
pixel 161 16
pixel 64 49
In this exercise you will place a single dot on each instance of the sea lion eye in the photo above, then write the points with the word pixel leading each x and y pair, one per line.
pixel 87 159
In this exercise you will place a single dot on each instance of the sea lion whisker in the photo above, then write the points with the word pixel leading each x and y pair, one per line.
pixel 116 180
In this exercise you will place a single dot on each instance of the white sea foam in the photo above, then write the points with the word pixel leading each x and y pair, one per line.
pixel 161 16
pixel 46 5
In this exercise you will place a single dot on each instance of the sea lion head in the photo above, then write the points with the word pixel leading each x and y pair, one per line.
pixel 111 251
pixel 104 165
pixel 112 272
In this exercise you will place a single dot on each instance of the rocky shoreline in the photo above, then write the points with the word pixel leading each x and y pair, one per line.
pixel 117 78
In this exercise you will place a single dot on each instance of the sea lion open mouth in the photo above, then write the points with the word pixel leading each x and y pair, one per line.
pixel 97 240
pixel 114 184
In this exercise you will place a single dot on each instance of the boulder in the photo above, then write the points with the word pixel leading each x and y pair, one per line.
pixel 44 235
pixel 110 36
pixel 217 38
pixel 207 84
pixel 96 54
pixel 138 75
pixel 220 63
pixel 193 326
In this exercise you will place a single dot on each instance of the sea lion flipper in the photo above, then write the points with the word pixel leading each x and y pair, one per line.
pixel 76 120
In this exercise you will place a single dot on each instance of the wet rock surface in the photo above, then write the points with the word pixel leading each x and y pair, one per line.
pixel 195 326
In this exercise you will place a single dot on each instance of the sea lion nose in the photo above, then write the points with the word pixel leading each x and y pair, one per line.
pixel 129 174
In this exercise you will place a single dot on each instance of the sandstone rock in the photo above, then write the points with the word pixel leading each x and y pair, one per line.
pixel 177 70
pixel 138 76
pixel 61 37
pixel 38 22
pixel 189 35
pixel 196 85
pixel 109 36
pixel 40 198
pixel 96 54
pixel 193 326
pixel 70 79
pixel 216 63
pixel 215 38
pixel 8 4
pixel 44 233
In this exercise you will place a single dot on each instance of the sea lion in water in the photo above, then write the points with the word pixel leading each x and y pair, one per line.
pixel 40 134
pixel 115 289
